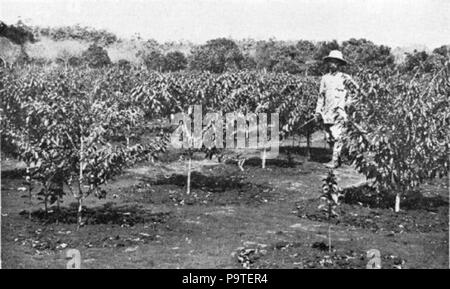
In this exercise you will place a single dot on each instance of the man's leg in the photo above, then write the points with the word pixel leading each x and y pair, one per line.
pixel 329 134
pixel 336 131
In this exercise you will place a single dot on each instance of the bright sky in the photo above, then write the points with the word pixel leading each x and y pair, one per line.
pixel 390 22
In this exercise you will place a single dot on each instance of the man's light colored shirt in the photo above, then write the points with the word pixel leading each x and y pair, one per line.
pixel 333 96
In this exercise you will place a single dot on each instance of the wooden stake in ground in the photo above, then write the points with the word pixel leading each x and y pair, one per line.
pixel 30 199
pixel 329 237
pixel 188 191
pixel 308 146
pixel 80 184
pixel 263 163
pixel 397 203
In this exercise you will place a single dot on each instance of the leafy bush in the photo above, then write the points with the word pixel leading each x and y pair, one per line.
pixel 124 64
pixel 175 61
pixel 95 56
pixel 155 61
pixel 77 32
pixel 64 124
pixel 18 34
pixel 217 55
pixel 398 131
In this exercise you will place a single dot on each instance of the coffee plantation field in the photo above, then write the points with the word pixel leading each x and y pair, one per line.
pixel 88 164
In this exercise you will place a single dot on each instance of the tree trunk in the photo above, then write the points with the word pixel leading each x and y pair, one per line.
pixel 189 176
pixel 397 203
pixel 128 136
pixel 58 208
pixel 308 146
pixel 329 238
pixel 289 157
pixel 264 158
pixel 30 197
pixel 30 203
pixel 80 184
pixel 28 177
pixel 79 215
pixel 330 209
pixel 45 202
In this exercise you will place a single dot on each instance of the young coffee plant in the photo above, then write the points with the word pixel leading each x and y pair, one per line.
pixel 330 200
pixel 398 133
pixel 65 128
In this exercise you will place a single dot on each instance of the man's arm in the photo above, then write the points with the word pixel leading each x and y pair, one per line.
pixel 321 99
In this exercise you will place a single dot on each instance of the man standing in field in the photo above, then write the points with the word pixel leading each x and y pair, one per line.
pixel 333 98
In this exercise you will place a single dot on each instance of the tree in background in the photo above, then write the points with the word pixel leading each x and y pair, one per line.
pixel 425 62
pixel 306 50
pixel 288 60
pixel 362 52
pixel 18 34
pixel 175 61
pixel 248 63
pixel 265 55
pixel 77 32
pixel 12 43
pixel 75 61
pixel 217 55
pixel 124 64
pixel 154 61
pixel 281 56
pixel 248 49
pixel 444 50
pixel 95 56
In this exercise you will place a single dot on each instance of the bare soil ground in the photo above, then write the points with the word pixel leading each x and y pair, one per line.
pixel 259 218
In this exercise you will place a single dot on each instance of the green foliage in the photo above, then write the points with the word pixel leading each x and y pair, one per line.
pixel 279 56
pixel 77 32
pixel 217 55
pixel 175 61
pixel 330 195
pixel 65 124
pixel 364 53
pixel 18 34
pixel 95 56
pixel 155 61
pixel 288 60
pixel 398 132
pixel 330 200
pixel 424 62
pixel 265 55
pixel 443 50
pixel 124 64
pixel 172 61
pixel 65 119
pixel 220 55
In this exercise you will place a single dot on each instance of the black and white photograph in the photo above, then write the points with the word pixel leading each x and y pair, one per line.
pixel 207 134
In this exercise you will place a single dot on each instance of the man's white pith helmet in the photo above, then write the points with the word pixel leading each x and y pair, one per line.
pixel 337 55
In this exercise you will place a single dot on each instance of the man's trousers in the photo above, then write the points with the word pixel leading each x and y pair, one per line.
pixel 334 133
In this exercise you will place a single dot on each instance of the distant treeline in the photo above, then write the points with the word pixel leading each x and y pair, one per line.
pixel 101 48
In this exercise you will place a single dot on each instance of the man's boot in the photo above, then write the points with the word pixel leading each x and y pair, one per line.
pixel 333 164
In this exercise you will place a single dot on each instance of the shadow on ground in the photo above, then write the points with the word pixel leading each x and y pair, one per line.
pixel 125 215
pixel 218 190
pixel 364 207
